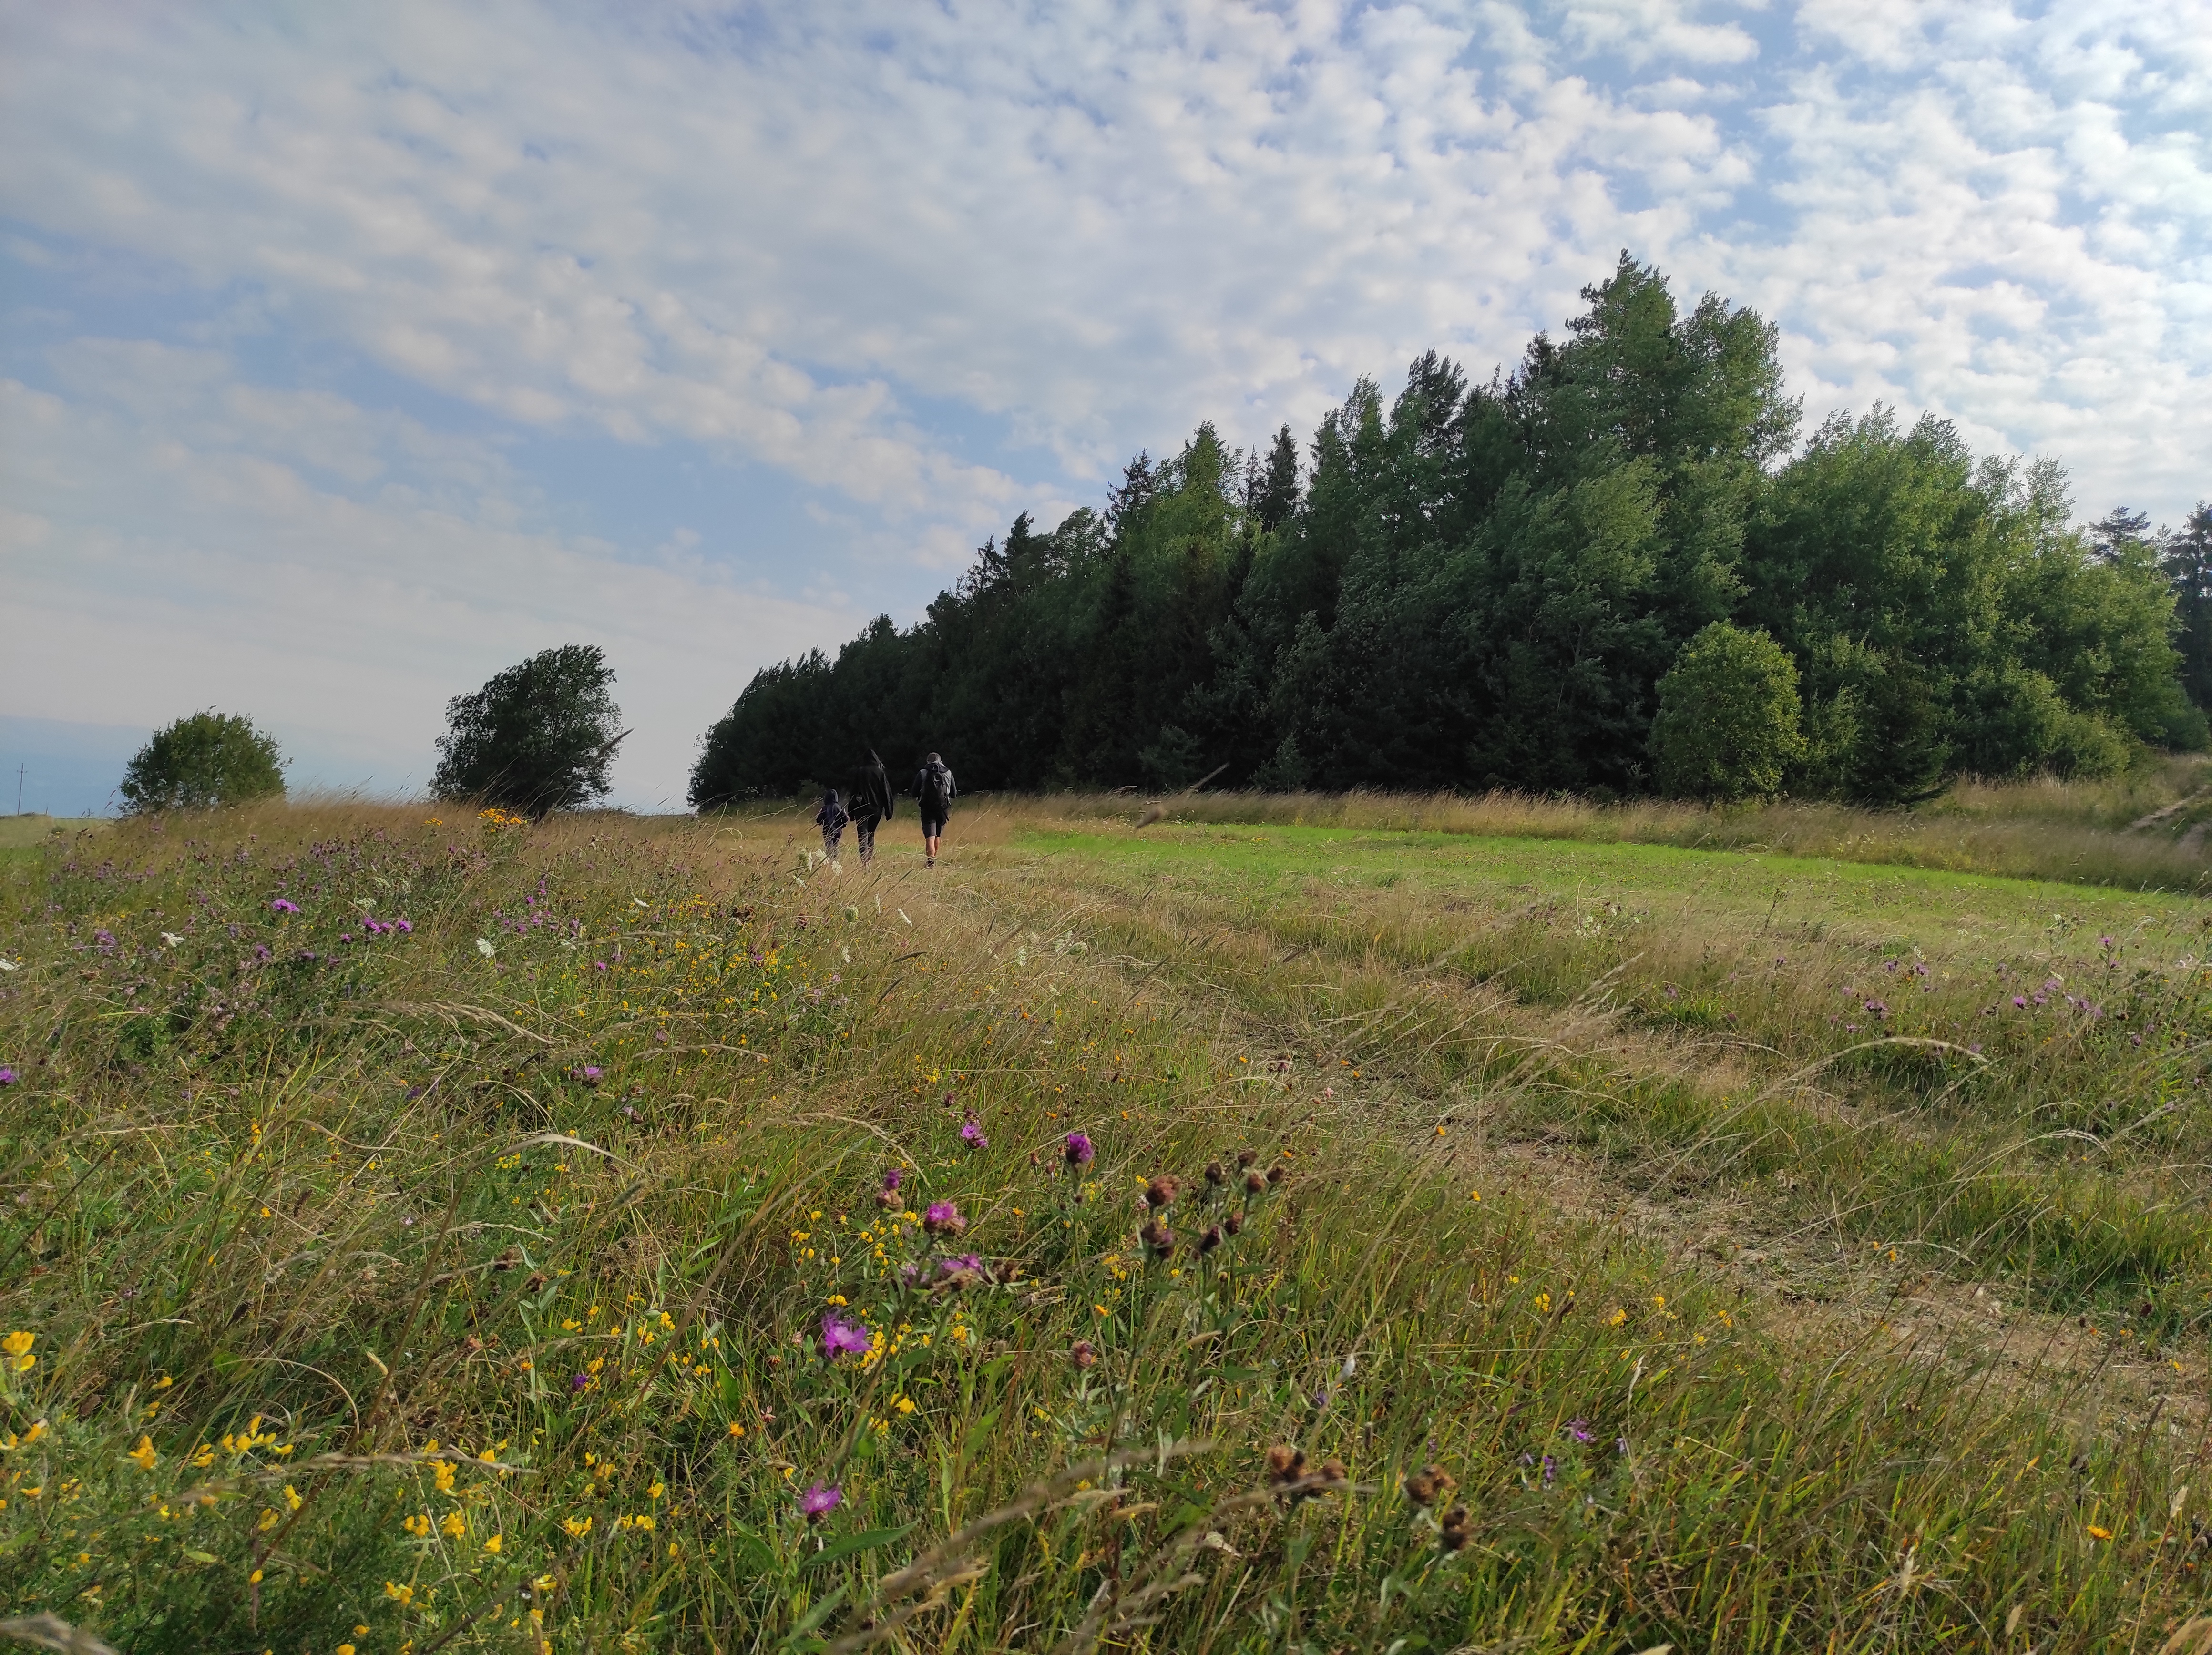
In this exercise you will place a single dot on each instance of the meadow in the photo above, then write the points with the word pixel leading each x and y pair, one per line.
pixel 1233 1223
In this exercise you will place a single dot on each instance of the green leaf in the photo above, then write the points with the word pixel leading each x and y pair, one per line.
pixel 865 1541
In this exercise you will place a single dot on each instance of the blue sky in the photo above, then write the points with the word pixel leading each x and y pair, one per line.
pixel 349 353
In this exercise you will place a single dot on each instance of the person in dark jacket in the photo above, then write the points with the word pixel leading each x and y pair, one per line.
pixel 833 819
pixel 871 802
pixel 934 791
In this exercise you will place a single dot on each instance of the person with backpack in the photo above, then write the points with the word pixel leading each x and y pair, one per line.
pixel 934 791
pixel 872 802
pixel 833 819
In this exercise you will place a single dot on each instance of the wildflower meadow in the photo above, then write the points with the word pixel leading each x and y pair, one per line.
pixel 431 1230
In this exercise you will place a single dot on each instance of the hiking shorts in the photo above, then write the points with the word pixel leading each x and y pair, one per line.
pixel 931 826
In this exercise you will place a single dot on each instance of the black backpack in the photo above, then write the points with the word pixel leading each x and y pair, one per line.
pixel 933 787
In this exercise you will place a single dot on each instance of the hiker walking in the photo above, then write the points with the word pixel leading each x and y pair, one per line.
pixel 871 803
pixel 934 791
pixel 833 819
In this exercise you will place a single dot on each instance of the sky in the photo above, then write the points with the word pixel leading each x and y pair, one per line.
pixel 351 353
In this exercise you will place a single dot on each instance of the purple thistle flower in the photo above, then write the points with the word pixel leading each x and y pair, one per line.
pixel 1078 1149
pixel 893 1178
pixel 2020 1002
pixel 1877 1008
pixel 405 927
pixel 578 1381
pixel 839 1336
pixel 820 1499
pixel 7 1076
pixel 599 965
pixel 589 1074
pixel 971 1132
pixel 280 905
pixel 962 1261
pixel 943 1216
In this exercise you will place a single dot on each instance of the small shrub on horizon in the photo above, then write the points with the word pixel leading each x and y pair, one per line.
pixel 200 762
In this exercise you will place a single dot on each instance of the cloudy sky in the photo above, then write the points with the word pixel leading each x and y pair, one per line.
pixel 349 353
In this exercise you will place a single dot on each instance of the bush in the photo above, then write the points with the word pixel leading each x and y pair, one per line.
pixel 197 763
pixel 1729 716
pixel 540 737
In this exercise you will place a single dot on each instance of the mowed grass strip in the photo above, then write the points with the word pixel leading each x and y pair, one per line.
pixel 464 1234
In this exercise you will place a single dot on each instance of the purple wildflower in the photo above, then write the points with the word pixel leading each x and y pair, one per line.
pixel 405 927
pixel 7 1076
pixel 106 940
pixel 280 905
pixel 2020 1002
pixel 943 1216
pixel 971 1133
pixel 1078 1149
pixel 820 1499
pixel 961 1261
pixel 578 1381
pixel 599 965
pixel 842 1337
pixel 2103 942
pixel 893 1178
pixel 1551 1471
pixel 589 1074
pixel 1579 1430
pixel 1877 1008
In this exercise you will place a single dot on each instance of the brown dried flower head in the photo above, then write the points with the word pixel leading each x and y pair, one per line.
pixel 1082 1354
pixel 1162 1192
pixel 1210 1240
pixel 1286 1464
pixel 1276 1175
pixel 1246 1157
pixel 1254 1182
pixel 1216 1173
pixel 1158 1237
pixel 1430 1484
pixel 1454 1531
pixel 1233 1223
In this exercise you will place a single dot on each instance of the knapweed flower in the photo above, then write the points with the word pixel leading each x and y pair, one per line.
pixel 578 1381
pixel 839 1336
pixel 820 1499
pixel 1212 1239
pixel 1078 1149
pixel 7 1075
pixel 971 1133
pixel 941 1216
pixel 590 1073
pixel 1216 1173
pixel 1158 1237
pixel 1162 1192
pixel 1084 1355
pixel 1452 1531
pixel 280 905
pixel 966 1261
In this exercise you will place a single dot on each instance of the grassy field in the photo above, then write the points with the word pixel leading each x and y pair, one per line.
pixel 1494 1225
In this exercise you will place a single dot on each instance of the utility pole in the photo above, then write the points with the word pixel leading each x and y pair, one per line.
pixel 19 790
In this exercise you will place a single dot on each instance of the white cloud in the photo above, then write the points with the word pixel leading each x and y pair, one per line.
pixel 152 568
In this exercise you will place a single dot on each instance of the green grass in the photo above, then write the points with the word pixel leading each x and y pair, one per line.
pixel 338 1270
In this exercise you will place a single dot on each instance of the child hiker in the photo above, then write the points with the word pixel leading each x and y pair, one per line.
pixel 833 819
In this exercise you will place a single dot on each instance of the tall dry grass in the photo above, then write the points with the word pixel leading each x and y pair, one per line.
pixel 518 1278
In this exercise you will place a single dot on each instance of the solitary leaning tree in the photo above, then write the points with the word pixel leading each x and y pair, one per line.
pixel 540 737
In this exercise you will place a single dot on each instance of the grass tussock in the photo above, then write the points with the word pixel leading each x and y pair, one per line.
pixel 457 1234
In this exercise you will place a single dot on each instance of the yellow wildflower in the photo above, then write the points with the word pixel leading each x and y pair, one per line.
pixel 443 1472
pixel 292 1497
pixel 18 1346
pixel 401 1595
pixel 144 1454
pixel 578 1527
pixel 455 1524
pixel 493 1544
pixel 419 1527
